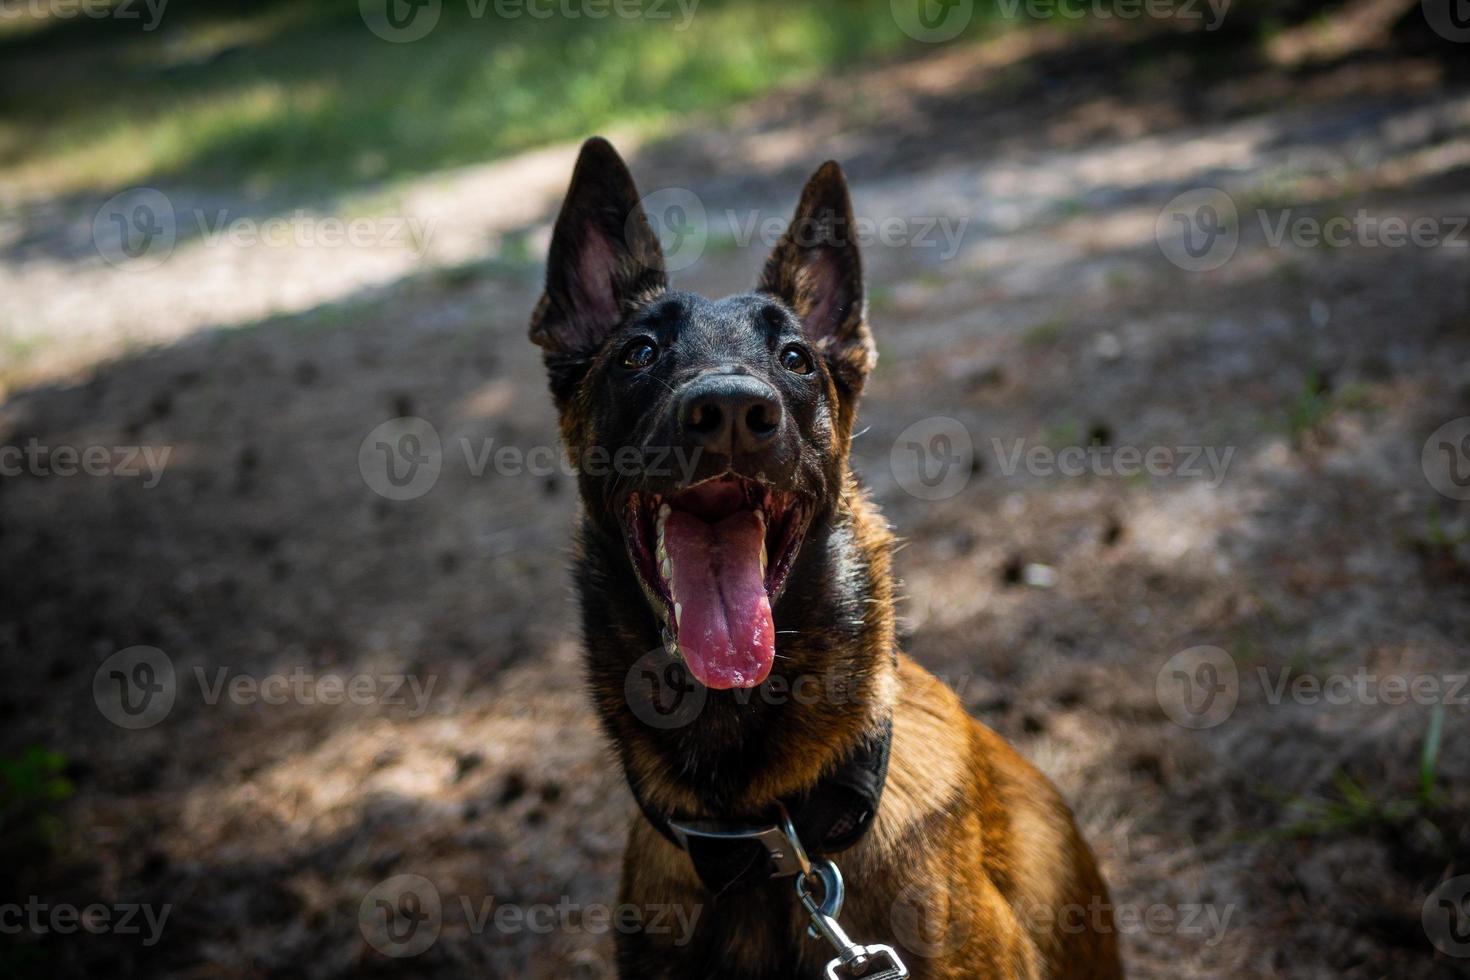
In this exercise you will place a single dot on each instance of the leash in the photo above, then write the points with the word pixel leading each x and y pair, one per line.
pixel 830 817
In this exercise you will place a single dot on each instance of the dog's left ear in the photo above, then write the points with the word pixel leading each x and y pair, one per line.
pixel 604 258
pixel 816 270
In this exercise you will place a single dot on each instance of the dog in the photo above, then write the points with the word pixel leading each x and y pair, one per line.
pixel 739 629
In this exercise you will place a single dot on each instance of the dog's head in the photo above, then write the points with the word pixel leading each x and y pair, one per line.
pixel 710 436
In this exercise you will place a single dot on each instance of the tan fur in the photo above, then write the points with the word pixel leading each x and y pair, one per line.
pixel 974 866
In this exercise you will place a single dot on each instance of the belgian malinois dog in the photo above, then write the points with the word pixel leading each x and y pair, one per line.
pixel 753 583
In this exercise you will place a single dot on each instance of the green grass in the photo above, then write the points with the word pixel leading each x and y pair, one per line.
pixel 300 95
pixel 1310 408
pixel 1045 333
pixel 1355 810
pixel 32 787
pixel 287 95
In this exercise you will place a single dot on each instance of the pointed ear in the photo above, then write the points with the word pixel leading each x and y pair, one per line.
pixel 815 270
pixel 604 258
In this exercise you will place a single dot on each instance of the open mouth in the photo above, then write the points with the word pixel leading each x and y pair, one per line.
pixel 713 559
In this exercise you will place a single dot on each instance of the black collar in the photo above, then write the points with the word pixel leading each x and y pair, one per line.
pixel 829 817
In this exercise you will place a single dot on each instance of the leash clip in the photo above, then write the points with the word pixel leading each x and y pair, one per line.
pixel 877 962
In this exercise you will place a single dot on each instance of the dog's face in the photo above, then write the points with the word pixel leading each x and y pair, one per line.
pixel 710 435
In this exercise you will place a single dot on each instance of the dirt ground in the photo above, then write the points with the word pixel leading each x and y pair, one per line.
pixel 1292 837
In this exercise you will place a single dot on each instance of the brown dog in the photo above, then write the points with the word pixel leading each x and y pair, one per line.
pixel 738 616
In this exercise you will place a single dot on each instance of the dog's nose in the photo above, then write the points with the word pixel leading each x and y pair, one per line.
pixel 729 413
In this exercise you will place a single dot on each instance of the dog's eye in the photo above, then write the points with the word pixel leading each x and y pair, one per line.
pixel 796 360
pixel 638 354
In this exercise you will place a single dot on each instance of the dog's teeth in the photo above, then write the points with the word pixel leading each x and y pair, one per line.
pixel 664 510
pixel 666 567
pixel 678 614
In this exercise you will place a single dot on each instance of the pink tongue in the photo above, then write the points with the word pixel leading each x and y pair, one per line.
pixel 724 629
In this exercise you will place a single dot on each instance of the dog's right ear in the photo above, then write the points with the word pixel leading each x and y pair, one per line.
pixel 604 261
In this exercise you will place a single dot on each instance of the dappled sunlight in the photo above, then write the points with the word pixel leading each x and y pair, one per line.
pixel 1146 455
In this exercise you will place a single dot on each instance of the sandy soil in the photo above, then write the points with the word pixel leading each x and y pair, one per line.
pixel 1318 545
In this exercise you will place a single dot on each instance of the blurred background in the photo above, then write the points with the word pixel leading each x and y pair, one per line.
pixel 1172 415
